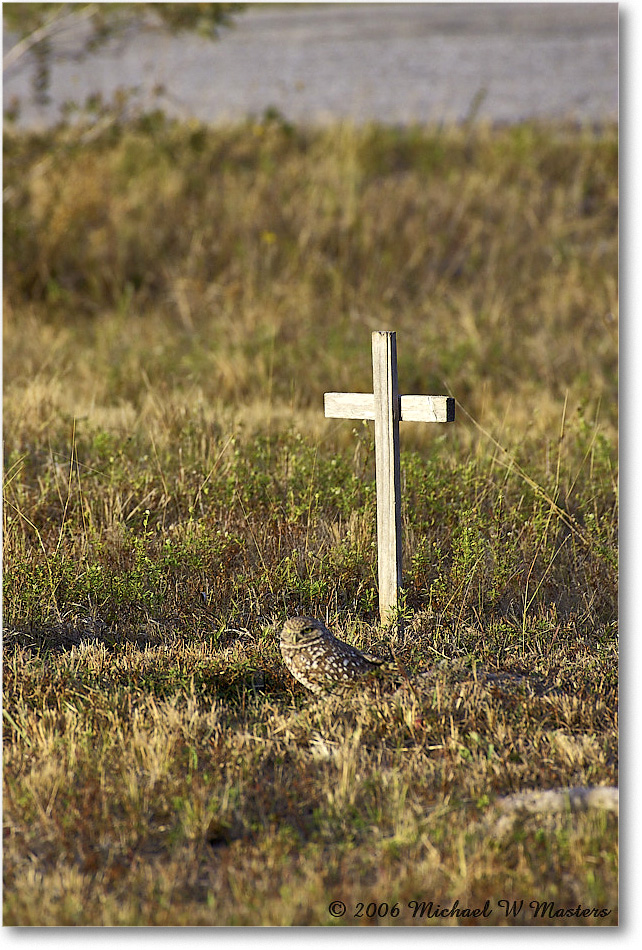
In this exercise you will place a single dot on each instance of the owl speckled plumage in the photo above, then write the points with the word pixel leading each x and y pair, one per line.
pixel 318 660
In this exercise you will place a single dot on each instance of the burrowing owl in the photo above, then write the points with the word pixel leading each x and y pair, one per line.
pixel 317 659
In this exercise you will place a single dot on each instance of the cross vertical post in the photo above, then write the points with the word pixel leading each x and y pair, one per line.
pixel 388 408
pixel 388 475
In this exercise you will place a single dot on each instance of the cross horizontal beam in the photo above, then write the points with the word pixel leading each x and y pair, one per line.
pixel 411 408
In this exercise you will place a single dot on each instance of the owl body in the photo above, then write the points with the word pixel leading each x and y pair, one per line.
pixel 320 661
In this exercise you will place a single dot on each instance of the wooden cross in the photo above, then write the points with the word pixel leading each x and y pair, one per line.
pixel 387 408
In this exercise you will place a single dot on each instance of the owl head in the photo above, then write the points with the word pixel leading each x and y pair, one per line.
pixel 298 631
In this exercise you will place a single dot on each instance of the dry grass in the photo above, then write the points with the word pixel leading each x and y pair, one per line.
pixel 177 300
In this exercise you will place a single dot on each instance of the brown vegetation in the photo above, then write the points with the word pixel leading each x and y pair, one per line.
pixel 177 299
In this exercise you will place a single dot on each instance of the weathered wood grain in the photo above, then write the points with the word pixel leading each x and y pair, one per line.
pixel 413 408
pixel 349 405
pixel 386 405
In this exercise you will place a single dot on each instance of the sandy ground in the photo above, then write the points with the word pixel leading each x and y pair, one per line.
pixel 396 63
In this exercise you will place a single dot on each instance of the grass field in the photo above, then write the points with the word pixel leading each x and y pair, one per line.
pixel 176 301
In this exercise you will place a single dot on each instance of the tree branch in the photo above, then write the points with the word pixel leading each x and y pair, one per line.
pixel 56 23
